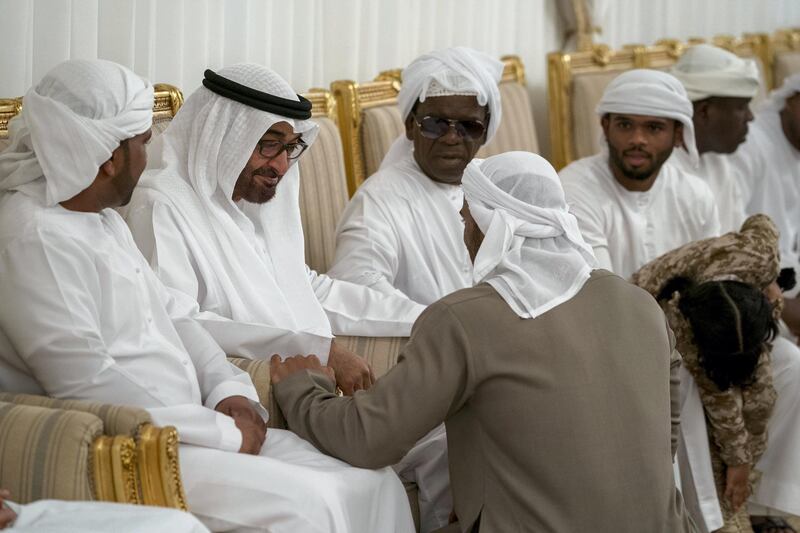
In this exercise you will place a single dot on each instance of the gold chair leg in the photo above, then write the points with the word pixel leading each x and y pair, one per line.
pixel 159 469
pixel 114 473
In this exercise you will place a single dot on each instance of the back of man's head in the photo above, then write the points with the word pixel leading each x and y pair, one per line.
pixel 70 124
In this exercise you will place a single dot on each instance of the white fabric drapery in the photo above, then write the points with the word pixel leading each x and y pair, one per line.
pixel 314 42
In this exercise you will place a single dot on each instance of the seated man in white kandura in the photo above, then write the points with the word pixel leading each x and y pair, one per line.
pixel 402 229
pixel 92 322
pixel 220 222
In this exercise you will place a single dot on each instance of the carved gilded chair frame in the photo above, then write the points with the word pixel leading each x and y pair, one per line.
pixel 781 42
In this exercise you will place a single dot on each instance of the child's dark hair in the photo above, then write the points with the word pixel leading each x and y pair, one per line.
pixel 730 322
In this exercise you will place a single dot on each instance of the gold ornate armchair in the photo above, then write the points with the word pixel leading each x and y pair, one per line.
pixel 785 48
pixel 323 183
pixel 72 450
pixel 369 120
pixel 576 82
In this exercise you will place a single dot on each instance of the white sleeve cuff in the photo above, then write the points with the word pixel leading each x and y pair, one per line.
pixel 229 388
pixel 230 438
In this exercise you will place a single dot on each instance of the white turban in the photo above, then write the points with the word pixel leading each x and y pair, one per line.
pixel 448 72
pixel 532 253
pixel 70 124
pixel 777 98
pixel 651 93
pixel 707 71
pixel 205 148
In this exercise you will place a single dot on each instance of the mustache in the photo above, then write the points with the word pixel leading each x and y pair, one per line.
pixel 267 172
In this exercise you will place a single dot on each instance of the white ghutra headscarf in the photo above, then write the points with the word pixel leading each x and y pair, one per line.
pixel 777 98
pixel 204 150
pixel 651 93
pixel 448 72
pixel 706 71
pixel 70 123
pixel 532 253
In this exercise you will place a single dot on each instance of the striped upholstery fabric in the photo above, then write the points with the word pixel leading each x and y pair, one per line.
pixel 517 130
pixel 259 372
pixel 323 194
pixel 786 64
pixel 380 127
pixel 44 453
pixel 587 90
pixel 116 419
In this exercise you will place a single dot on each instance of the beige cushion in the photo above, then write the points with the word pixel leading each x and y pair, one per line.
pixel 517 130
pixel 323 195
pixel 380 127
pixel 117 419
pixel 786 64
pixel 587 90
pixel 44 453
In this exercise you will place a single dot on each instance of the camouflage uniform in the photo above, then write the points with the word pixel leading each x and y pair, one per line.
pixel 737 418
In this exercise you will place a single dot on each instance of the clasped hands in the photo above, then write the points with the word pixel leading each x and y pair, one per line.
pixel 350 372
pixel 248 421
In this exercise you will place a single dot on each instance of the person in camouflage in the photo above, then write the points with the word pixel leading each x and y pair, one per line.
pixel 737 407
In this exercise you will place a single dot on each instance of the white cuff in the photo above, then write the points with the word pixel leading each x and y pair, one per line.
pixel 230 388
pixel 230 438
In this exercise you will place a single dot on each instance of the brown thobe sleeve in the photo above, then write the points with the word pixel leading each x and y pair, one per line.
pixel 377 427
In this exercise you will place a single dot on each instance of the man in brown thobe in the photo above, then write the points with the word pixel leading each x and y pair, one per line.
pixel 553 379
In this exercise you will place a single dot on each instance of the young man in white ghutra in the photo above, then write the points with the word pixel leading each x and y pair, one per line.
pixel 539 419
pixel 93 322
pixel 220 222
pixel 631 203
pixel 720 85
pixel 401 230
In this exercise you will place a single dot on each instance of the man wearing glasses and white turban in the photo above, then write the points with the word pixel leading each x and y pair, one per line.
pixel 402 231
pixel 219 220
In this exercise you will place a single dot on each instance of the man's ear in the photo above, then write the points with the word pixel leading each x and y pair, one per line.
pixel 115 163
pixel 605 121
pixel 701 109
pixel 677 139
pixel 410 127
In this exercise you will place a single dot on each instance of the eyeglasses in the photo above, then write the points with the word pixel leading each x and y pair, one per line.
pixel 435 127
pixel 271 149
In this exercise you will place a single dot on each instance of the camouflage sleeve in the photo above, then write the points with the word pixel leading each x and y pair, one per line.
pixel 725 417
pixel 758 399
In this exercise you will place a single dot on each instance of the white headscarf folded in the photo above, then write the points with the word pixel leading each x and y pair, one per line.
pixel 532 253
pixel 651 93
pixel 777 98
pixel 70 123
pixel 707 71
pixel 452 71
pixel 204 150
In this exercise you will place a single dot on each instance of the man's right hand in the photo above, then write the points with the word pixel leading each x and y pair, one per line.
pixel 737 485
pixel 248 421
pixel 7 516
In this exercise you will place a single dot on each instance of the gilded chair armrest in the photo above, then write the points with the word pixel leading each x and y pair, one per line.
pixel 117 419
pixel 47 453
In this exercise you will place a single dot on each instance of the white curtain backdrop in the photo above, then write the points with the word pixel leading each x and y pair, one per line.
pixel 314 42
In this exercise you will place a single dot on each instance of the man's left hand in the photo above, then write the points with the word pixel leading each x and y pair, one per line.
pixel 352 372
pixel 7 516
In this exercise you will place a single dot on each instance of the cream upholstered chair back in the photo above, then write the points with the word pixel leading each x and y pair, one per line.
pixel 517 130
pixel 786 55
pixel 576 82
pixel 369 122
pixel 323 184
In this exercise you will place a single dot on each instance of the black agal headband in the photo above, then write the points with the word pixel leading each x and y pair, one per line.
pixel 257 99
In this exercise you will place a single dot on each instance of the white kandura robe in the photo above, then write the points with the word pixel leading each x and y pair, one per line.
pixel 56 516
pixel 403 232
pixel 628 229
pixel 720 175
pixel 173 252
pixel 769 170
pixel 93 322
